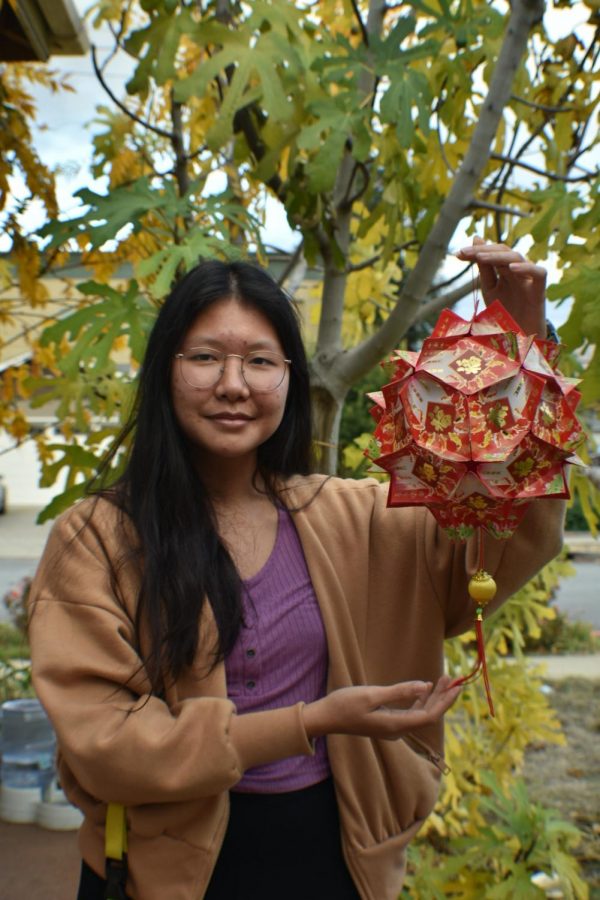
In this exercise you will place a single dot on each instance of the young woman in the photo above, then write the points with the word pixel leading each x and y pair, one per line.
pixel 248 657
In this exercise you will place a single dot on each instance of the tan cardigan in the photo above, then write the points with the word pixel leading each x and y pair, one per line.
pixel 390 587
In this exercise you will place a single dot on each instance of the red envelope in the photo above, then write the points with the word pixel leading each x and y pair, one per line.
pixel 477 424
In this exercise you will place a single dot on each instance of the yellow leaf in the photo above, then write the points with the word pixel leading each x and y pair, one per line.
pixel 19 427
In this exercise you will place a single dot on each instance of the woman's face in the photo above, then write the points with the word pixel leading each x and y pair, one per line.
pixel 228 420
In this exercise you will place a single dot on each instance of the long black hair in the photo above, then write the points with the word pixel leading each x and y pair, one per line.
pixel 184 560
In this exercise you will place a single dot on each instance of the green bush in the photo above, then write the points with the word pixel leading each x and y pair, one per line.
pixel 356 420
pixel 514 840
pixel 15 667
pixel 576 520
pixel 13 643
pixel 560 635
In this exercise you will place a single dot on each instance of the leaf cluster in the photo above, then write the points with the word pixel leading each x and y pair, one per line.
pixel 358 119
pixel 486 837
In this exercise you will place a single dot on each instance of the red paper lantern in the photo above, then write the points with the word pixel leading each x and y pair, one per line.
pixel 475 426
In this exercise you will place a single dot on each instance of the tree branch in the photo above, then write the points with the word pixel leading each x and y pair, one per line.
pixel 552 176
pixel 122 107
pixel 541 107
pixel 437 304
pixel 329 338
pixel 524 15
pixel 361 24
pixel 497 207
pixel 178 143
pixel 291 265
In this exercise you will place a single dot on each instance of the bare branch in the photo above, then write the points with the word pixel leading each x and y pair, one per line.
pixel 242 121
pixel 347 202
pixel 122 107
pixel 178 143
pixel 365 264
pixel 291 265
pixel 443 301
pixel 541 107
pixel 497 207
pixel 552 176
pixel 329 338
pixel 223 11
pixel 361 24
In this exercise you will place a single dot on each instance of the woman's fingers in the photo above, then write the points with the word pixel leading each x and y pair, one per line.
pixel 526 269
pixel 507 276
pixel 495 260
pixel 428 707
pixel 384 712
pixel 403 695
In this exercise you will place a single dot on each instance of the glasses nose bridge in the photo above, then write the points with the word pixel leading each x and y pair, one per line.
pixel 223 370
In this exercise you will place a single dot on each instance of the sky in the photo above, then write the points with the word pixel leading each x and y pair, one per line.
pixel 65 126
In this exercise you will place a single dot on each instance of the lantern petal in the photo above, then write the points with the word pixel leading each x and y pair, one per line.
pixel 533 469
pixel 449 324
pixel 501 416
pixel 493 319
pixel 420 477
pixel 473 506
pixel 555 421
pixel 468 364
pixel 437 417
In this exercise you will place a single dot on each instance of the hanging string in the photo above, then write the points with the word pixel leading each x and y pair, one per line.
pixel 482 589
pixel 475 286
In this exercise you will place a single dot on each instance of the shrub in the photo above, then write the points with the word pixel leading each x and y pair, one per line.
pixel 485 839
pixel 15 601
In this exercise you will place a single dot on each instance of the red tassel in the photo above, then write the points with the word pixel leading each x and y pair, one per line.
pixel 482 660
pixel 482 589
pixel 480 667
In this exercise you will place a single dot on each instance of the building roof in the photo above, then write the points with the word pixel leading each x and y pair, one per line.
pixel 35 30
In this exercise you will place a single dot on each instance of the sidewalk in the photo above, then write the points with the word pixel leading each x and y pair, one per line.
pixel 36 864
pixel 557 667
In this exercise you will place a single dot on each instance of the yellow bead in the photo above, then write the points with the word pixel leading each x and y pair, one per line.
pixel 482 587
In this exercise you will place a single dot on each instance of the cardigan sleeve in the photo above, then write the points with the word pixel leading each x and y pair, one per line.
pixel 512 562
pixel 444 567
pixel 122 743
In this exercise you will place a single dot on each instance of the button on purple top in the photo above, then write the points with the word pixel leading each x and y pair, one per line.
pixel 280 657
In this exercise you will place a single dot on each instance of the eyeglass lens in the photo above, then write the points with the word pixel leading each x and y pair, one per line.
pixel 261 370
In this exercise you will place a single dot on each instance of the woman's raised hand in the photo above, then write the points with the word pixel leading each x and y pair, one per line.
pixel 507 276
pixel 380 712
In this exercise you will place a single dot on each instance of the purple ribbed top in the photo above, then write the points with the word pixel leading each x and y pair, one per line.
pixel 280 657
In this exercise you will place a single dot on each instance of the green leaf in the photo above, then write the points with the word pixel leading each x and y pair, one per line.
pixel 409 89
pixel 61 502
pixel 165 59
pixel 223 128
pixel 94 329
pixel 106 214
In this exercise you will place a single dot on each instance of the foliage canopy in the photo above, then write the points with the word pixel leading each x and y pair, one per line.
pixel 381 128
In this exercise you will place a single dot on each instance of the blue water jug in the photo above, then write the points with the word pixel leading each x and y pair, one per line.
pixel 27 745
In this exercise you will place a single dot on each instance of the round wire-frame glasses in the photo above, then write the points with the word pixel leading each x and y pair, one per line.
pixel 262 370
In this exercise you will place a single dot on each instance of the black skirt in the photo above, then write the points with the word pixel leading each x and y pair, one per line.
pixel 276 846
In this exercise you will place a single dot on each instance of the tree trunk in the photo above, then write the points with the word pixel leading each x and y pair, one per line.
pixel 327 414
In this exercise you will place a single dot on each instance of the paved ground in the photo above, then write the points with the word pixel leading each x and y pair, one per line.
pixel 36 864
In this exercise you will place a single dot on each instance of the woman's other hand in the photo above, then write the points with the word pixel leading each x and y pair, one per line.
pixel 506 275
pixel 380 712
